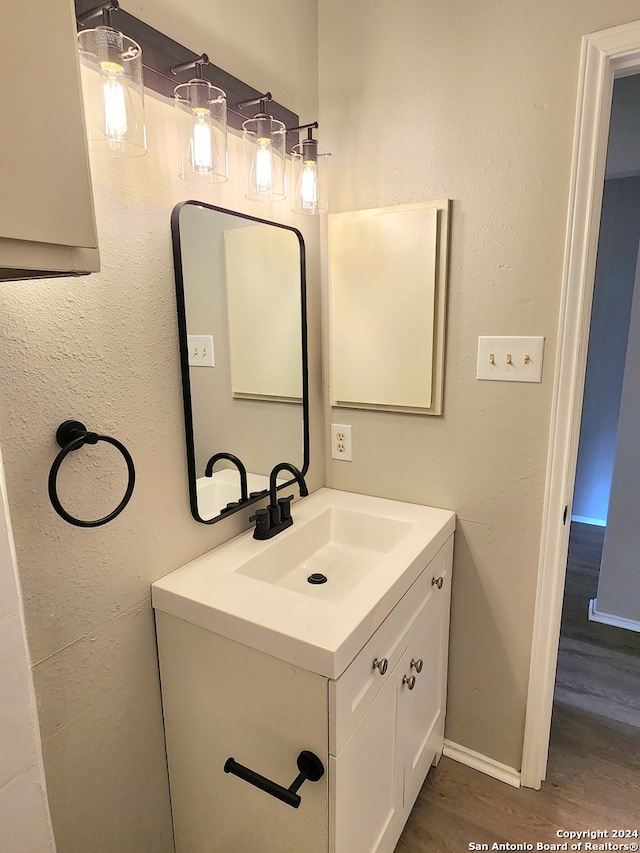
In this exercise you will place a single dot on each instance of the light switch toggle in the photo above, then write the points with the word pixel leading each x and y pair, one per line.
pixel 200 350
pixel 510 359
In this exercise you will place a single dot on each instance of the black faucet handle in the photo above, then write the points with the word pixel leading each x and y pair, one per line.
pixel 261 518
pixel 285 507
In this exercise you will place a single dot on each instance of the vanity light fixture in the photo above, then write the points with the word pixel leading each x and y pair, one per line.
pixel 116 125
pixel 264 152
pixel 204 154
pixel 309 166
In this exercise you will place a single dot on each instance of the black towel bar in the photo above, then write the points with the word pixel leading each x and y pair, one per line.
pixel 72 435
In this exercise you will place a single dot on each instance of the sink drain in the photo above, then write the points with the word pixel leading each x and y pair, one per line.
pixel 317 578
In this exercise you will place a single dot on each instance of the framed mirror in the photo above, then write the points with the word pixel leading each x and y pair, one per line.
pixel 241 302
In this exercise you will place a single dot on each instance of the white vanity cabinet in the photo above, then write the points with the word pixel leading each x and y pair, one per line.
pixel 387 724
pixel 376 728
pixel 47 224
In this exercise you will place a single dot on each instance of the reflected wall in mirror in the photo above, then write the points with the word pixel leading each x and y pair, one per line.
pixel 240 286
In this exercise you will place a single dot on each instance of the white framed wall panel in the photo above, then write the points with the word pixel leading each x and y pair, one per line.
pixel 387 278
pixel 263 297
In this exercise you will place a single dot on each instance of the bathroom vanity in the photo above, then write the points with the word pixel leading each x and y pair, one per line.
pixel 258 664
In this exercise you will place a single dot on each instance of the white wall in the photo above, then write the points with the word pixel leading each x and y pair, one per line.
pixel 618 582
pixel 611 311
pixel 613 289
pixel 623 156
pixel 474 102
pixel 105 349
pixel 25 824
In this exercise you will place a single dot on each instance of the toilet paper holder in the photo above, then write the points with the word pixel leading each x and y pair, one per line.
pixel 309 765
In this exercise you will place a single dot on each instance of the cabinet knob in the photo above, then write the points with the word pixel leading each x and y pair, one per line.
pixel 381 665
pixel 417 665
pixel 409 680
pixel 437 582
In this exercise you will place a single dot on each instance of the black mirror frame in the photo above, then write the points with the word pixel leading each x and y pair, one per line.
pixel 184 354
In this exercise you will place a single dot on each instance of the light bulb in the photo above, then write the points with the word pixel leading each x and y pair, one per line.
pixel 203 149
pixel 307 189
pixel 115 121
pixel 265 157
pixel 116 116
pixel 263 167
pixel 204 133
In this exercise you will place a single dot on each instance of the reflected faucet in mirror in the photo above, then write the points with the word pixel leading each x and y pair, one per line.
pixel 277 516
pixel 244 491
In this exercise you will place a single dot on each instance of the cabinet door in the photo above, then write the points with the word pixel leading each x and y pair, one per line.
pixel 224 700
pixel 46 218
pixel 365 791
pixel 421 709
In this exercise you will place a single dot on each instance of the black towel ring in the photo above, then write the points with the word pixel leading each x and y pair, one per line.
pixel 71 435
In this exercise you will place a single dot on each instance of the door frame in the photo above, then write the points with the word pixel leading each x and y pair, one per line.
pixel 605 55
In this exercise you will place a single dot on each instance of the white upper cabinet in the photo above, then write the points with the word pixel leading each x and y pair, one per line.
pixel 47 222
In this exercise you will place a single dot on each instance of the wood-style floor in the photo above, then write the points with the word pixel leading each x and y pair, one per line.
pixel 593 776
pixel 598 665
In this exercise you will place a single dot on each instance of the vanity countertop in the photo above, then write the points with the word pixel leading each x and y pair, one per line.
pixel 371 550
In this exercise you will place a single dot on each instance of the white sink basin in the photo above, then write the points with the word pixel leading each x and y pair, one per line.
pixel 369 549
pixel 337 550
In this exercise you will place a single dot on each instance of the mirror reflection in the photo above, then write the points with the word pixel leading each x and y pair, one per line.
pixel 240 285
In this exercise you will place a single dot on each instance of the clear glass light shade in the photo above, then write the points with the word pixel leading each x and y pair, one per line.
pixel 202 117
pixel 309 167
pixel 113 92
pixel 265 158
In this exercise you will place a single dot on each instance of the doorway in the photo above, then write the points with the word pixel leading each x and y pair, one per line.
pixel 607 55
pixel 598 672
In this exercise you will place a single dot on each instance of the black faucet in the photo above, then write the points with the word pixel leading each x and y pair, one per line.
pixel 277 516
pixel 244 492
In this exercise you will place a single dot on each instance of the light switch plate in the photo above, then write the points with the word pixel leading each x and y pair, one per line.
pixel 200 350
pixel 510 359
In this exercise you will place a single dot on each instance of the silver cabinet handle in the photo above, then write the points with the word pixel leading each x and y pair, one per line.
pixel 437 582
pixel 381 665
pixel 417 665
pixel 409 680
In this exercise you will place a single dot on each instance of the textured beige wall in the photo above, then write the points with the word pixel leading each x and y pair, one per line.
pixel 25 823
pixel 472 101
pixel 104 349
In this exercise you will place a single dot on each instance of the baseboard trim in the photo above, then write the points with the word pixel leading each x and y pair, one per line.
pixel 594 522
pixel 611 618
pixel 480 762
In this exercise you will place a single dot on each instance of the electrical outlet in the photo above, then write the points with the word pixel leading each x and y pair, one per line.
pixel 341 442
pixel 200 350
